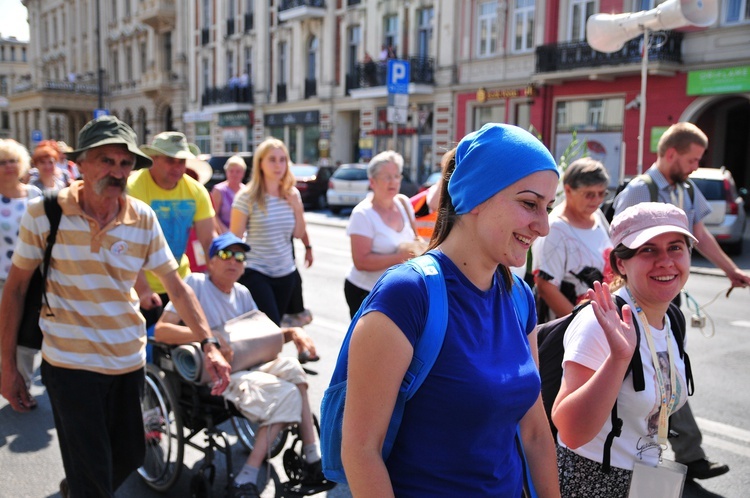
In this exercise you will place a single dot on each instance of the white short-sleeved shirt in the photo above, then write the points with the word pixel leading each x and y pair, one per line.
pixel 385 240
pixel 586 344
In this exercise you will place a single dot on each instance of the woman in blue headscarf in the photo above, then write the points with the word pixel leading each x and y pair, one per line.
pixel 458 433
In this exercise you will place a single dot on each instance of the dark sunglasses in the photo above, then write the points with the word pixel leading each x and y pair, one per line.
pixel 224 255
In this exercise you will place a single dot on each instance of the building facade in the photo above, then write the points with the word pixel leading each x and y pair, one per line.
pixel 314 73
pixel 14 70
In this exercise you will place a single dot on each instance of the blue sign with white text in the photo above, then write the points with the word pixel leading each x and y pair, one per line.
pixel 398 76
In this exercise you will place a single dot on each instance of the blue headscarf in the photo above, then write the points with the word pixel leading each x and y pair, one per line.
pixel 492 158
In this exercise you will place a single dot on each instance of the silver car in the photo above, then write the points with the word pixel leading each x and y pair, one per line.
pixel 347 187
pixel 727 219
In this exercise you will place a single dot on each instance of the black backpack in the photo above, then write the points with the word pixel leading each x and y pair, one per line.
pixel 608 208
pixel 550 341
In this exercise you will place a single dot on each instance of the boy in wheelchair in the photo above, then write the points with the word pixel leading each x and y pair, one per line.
pixel 275 393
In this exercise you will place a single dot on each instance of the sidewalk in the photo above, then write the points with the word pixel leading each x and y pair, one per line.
pixel 699 264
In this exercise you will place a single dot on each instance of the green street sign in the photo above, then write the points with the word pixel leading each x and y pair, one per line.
pixel 656 133
pixel 713 81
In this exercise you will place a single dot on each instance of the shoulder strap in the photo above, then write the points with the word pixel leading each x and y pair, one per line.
pixel 677 323
pixel 402 199
pixel 428 346
pixel 54 213
pixel 690 188
pixel 652 190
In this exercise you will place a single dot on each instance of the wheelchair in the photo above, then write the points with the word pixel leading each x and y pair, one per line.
pixel 177 412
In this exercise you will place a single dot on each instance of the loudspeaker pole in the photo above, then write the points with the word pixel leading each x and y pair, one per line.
pixel 642 115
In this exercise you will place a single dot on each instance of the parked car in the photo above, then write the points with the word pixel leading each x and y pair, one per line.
pixel 347 187
pixel 728 217
pixel 312 183
pixel 217 162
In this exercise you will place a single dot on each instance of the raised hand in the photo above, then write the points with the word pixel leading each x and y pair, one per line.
pixel 620 332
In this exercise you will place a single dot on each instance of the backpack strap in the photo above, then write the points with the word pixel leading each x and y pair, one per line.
pixel 677 322
pixel 653 192
pixel 54 213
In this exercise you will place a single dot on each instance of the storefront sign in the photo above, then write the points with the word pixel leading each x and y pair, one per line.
pixel 192 117
pixel 484 95
pixel 712 81
pixel 656 133
pixel 236 118
pixel 292 118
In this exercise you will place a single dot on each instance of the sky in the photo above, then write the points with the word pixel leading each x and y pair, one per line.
pixel 13 20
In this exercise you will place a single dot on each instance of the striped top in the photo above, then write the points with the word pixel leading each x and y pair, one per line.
pixel 269 234
pixel 96 324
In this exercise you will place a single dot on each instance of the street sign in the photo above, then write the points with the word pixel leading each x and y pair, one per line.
pixel 398 99
pixel 36 135
pixel 398 76
pixel 396 115
pixel 100 112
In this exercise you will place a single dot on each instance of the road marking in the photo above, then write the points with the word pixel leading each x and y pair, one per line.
pixel 740 323
pixel 721 432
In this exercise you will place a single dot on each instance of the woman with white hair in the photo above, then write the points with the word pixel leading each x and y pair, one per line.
pixel 14 198
pixel 380 229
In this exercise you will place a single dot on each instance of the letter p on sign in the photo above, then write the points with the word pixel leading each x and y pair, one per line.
pixel 398 76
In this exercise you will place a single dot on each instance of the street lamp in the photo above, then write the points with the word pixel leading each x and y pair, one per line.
pixel 609 32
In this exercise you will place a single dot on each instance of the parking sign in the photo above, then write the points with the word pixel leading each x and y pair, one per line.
pixel 398 76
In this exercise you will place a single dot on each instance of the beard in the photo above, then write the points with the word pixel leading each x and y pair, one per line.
pixel 110 181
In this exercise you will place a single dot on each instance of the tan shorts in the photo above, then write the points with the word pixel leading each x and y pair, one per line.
pixel 268 394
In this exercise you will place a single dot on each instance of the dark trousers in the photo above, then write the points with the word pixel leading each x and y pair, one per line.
pixel 355 296
pixel 99 426
pixel 271 294
pixel 296 304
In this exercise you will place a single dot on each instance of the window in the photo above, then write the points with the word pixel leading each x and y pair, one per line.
pixel 523 26
pixel 23 54
pixel 142 54
pixel 487 29
pixel 354 40
pixel 390 33
pixel 580 10
pixel 424 35
pixel 203 136
pixel 5 120
pixel 282 63
pixel 115 67
pixel 230 65
pixel 639 5
pixel 13 54
pixel 127 8
pixel 590 115
pixel 249 63
pixel 167 37
pixel 114 10
pixel 230 9
pixel 736 11
pixel 312 52
pixel 205 74
pixel 3 85
pixel 129 64
pixel 206 14
pixel 484 115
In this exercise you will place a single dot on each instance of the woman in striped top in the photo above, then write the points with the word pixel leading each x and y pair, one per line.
pixel 268 212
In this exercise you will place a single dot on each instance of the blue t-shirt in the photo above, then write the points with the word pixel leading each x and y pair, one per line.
pixel 457 437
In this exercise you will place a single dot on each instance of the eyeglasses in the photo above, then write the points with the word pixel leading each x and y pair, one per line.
pixel 390 178
pixel 225 255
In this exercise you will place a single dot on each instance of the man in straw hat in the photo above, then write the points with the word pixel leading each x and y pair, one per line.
pixel 180 203
pixel 94 338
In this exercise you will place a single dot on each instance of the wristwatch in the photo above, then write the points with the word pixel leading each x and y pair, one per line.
pixel 210 340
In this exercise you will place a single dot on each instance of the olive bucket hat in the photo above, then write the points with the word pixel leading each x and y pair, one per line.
pixel 171 144
pixel 108 130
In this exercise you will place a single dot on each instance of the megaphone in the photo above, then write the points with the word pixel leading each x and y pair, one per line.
pixel 609 32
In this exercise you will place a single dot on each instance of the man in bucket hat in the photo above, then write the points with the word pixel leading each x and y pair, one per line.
pixel 180 203
pixel 94 338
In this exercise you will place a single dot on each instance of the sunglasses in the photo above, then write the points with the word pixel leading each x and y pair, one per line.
pixel 225 255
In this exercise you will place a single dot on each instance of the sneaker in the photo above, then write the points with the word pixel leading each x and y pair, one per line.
pixel 64 489
pixel 312 474
pixel 705 469
pixel 247 490
pixel 297 319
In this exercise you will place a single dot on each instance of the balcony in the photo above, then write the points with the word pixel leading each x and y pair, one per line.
pixel 157 82
pixel 281 92
pixel 227 95
pixel 373 74
pixel 299 10
pixel 573 56
pixel 248 22
pixel 230 27
pixel 159 14
pixel 311 87
pixel 68 87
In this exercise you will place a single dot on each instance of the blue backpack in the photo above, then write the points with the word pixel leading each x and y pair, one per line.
pixel 426 351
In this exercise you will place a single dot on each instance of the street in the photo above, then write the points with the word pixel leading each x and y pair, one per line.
pixel 29 455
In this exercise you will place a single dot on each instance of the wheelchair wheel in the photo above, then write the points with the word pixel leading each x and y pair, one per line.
pixel 246 431
pixel 163 431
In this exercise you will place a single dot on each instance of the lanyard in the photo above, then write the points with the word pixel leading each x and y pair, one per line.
pixel 678 199
pixel 666 405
